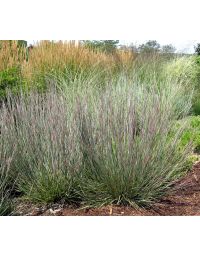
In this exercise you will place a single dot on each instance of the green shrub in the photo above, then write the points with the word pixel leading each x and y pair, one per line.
pixel 10 80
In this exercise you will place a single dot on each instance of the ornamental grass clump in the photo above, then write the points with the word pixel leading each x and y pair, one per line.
pixel 128 155
pixel 47 158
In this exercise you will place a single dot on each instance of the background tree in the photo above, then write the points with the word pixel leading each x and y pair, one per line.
pixel 22 43
pixel 150 46
pixel 108 46
pixel 132 47
pixel 168 48
pixel 197 49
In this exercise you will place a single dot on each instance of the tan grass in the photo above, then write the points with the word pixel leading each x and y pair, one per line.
pixel 49 57
pixel 11 55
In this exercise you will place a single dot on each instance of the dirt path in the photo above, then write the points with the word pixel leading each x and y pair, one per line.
pixel 185 200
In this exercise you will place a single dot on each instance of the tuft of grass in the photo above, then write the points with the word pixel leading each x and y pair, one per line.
pixel 128 157
pixel 45 186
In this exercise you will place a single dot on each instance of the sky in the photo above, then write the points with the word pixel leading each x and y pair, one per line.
pixel 186 46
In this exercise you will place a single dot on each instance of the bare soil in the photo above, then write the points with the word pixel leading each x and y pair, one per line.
pixel 185 200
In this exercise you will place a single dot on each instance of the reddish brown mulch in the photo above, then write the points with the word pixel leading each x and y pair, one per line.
pixel 185 200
